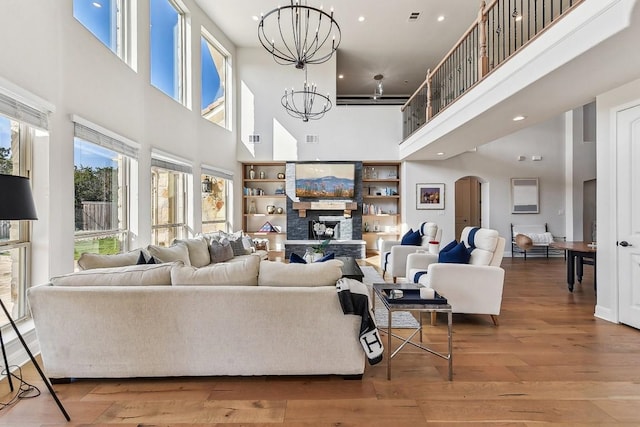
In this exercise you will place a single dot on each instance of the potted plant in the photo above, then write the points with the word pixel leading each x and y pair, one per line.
pixel 315 252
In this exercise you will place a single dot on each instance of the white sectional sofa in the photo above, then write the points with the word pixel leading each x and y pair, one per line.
pixel 247 317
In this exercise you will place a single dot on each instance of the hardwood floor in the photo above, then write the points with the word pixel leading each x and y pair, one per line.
pixel 549 361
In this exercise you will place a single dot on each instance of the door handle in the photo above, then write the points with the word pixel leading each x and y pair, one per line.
pixel 624 244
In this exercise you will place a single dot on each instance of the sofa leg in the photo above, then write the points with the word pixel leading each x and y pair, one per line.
pixel 495 319
pixel 352 377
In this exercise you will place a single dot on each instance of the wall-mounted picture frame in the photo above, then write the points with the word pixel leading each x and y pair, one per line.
pixel 524 196
pixel 429 196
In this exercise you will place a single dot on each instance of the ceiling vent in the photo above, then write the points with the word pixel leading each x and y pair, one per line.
pixel 254 139
pixel 414 16
pixel 312 139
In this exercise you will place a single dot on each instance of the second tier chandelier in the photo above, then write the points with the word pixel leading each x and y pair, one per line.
pixel 306 104
pixel 299 34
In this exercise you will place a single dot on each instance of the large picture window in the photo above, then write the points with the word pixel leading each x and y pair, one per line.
pixel 101 182
pixel 168 48
pixel 214 64
pixel 169 193
pixel 216 187
pixel 15 146
pixel 109 21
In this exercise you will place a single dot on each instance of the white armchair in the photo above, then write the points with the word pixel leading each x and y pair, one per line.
pixel 393 255
pixel 474 288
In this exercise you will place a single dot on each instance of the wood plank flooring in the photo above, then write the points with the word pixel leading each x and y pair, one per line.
pixel 549 362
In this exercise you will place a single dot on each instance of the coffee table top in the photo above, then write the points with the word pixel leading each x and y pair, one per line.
pixel 379 290
pixel 350 268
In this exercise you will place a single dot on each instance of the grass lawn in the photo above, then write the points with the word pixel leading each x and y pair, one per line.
pixel 103 246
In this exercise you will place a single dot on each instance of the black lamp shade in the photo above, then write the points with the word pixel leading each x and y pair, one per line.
pixel 16 201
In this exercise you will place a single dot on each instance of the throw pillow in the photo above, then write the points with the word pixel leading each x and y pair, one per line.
pixel 296 259
pixel 220 251
pixel 177 252
pixel 89 261
pixel 327 257
pixel 237 246
pixel 411 238
pixel 143 260
pixel 449 246
pixel 133 275
pixel 457 255
pixel 274 273
pixel 198 250
pixel 240 273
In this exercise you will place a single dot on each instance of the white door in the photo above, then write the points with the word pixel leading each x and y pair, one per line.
pixel 628 201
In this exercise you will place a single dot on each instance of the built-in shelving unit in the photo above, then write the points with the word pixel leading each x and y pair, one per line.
pixel 381 193
pixel 264 200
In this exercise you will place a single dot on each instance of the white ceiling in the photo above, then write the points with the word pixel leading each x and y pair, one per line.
pixel 386 42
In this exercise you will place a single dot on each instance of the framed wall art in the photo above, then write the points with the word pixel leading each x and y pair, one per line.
pixel 524 196
pixel 429 196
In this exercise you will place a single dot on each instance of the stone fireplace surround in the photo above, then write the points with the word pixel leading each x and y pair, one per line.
pixel 349 240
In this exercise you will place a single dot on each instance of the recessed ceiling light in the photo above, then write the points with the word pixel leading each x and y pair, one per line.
pixel 518 118
pixel 440 153
pixel 255 18
pixel 341 76
pixel 360 18
pixel 96 4
pixel 440 18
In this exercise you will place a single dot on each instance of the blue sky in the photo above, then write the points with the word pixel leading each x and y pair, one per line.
pixel 164 19
pixel 98 20
pixel 87 154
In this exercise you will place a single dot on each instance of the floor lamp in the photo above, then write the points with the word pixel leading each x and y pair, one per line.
pixel 17 204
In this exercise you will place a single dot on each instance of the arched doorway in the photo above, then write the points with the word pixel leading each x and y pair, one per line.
pixel 468 191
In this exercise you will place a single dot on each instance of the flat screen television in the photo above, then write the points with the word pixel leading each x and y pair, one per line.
pixel 325 180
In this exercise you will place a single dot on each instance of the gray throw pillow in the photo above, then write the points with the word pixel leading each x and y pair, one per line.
pixel 238 247
pixel 220 251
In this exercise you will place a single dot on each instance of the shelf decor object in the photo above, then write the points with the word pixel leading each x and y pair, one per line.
pixel 429 196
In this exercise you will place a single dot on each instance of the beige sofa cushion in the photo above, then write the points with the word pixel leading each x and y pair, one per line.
pixel 90 261
pixel 134 275
pixel 243 272
pixel 198 249
pixel 177 252
pixel 274 273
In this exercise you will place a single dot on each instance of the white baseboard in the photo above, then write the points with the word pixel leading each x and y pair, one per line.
pixel 16 354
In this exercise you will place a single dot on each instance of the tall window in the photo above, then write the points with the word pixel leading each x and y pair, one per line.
pixel 109 21
pixel 168 48
pixel 215 200
pixel 101 181
pixel 214 63
pixel 169 201
pixel 15 145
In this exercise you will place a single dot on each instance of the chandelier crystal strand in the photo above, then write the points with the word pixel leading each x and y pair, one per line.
pixel 286 33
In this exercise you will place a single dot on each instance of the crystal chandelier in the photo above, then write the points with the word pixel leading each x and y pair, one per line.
pixel 306 104
pixel 299 34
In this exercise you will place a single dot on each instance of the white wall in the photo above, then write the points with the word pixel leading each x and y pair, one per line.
pixel 345 132
pixel 583 160
pixel 496 163
pixel 50 54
